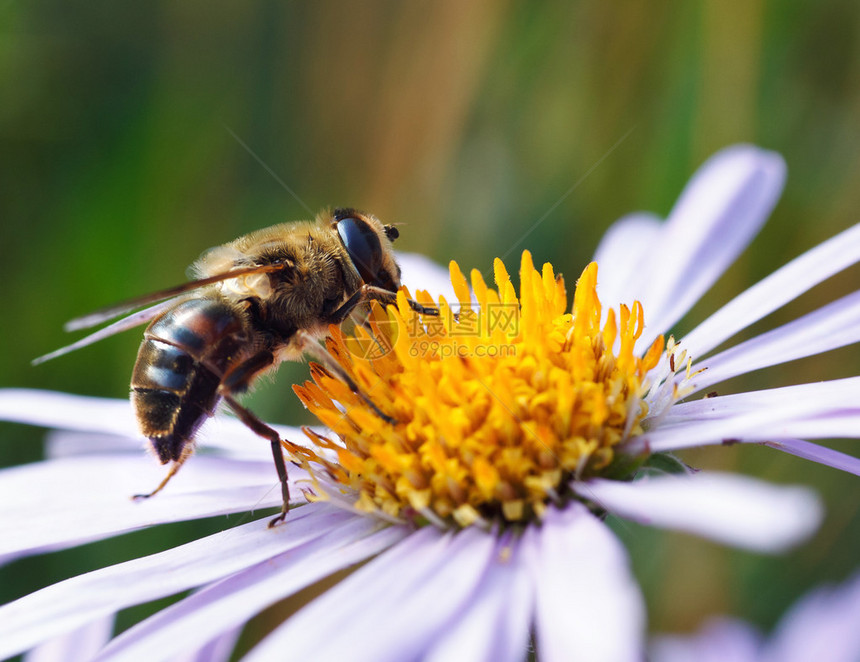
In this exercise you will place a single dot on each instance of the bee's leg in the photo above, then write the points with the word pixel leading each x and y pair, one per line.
pixel 170 474
pixel 386 297
pixel 366 293
pixel 310 346
pixel 373 293
pixel 343 311
pixel 249 419
pixel 237 380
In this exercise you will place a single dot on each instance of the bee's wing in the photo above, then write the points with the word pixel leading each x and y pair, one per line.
pixel 109 313
pixel 145 315
pixel 136 319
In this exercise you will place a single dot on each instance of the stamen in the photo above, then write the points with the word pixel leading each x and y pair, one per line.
pixel 491 408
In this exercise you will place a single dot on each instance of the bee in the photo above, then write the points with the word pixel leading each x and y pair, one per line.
pixel 267 297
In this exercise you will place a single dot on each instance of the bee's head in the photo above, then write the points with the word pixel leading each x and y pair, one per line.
pixel 368 243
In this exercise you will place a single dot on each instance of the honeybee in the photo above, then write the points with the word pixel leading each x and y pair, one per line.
pixel 264 298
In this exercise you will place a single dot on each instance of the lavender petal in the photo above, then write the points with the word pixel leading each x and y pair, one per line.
pixel 391 609
pixel 621 255
pixel 774 291
pixel 72 603
pixel 720 211
pixel 494 626
pixel 727 508
pixel 195 620
pixel 587 598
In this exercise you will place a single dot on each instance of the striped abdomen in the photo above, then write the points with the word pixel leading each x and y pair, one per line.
pixel 180 364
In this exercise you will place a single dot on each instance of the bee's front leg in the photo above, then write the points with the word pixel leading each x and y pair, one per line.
pixel 309 345
pixel 373 293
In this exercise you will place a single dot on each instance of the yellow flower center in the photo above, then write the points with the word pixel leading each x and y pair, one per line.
pixel 490 410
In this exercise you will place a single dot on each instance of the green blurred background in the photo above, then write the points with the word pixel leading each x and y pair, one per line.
pixel 135 135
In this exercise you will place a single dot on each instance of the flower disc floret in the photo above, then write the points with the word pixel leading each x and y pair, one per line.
pixel 485 413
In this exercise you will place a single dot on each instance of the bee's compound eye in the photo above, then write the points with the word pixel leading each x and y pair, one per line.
pixel 362 243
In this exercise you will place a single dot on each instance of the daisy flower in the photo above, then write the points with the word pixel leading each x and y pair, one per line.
pixel 472 514
pixel 820 626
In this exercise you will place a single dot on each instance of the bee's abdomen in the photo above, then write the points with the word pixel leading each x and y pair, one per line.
pixel 178 371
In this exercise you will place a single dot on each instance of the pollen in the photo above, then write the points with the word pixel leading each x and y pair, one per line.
pixel 490 409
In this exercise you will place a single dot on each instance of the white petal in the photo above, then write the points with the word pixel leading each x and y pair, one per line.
pixel 823 427
pixel 391 609
pixel 191 622
pixel 776 290
pixel 221 436
pixel 421 273
pixel 694 422
pixel 219 649
pixel 70 412
pixel 80 644
pixel 71 603
pixel 115 417
pixel 720 211
pixel 588 604
pixel 495 625
pixel 58 503
pixel 816 453
pixel 728 508
pixel 754 428
pixel 824 396
pixel 63 443
pixel 721 640
pixel 621 254
pixel 834 325
pixel 822 626
pixel 810 411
